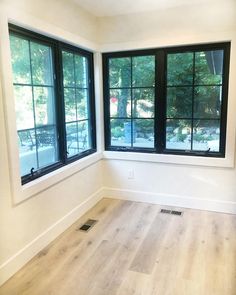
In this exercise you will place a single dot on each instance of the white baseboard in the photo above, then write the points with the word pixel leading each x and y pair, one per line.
pixel 170 200
pixel 17 261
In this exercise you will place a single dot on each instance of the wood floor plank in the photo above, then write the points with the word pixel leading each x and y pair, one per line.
pixel 133 249
pixel 145 258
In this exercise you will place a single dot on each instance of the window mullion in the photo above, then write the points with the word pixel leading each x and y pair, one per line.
pixel 193 91
pixel 58 85
pixel 160 101
pixel 131 102
pixel 33 105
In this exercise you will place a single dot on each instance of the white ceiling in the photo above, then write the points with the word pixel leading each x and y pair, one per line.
pixel 102 8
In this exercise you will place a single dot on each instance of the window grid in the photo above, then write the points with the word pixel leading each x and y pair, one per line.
pixel 161 100
pixel 132 118
pixel 80 143
pixel 56 66
pixel 193 118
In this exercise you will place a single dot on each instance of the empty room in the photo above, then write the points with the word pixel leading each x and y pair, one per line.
pixel 117 151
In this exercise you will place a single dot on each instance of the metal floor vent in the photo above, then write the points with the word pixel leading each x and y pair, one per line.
pixel 88 225
pixel 173 212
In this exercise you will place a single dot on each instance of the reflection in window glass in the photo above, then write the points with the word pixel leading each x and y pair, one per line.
pixel 35 104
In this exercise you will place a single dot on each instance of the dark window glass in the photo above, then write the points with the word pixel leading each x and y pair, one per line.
pixel 197 97
pixel 180 69
pixel 54 102
pixel 170 100
pixel 119 72
pixel 131 97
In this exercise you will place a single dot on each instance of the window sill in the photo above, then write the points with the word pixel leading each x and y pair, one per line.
pixel 23 192
pixel 226 162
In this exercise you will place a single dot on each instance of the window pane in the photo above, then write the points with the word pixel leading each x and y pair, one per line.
pixel 143 133
pixel 77 103
pixel 47 145
pixel 82 104
pixel 208 67
pixel 207 102
pixel 28 154
pixel 35 106
pixel 41 59
pixel 120 132
pixel 20 59
pixel 120 72
pixel 81 71
pixel 72 139
pixel 143 71
pixel 143 103
pixel 70 104
pixel 78 137
pixel 120 103
pixel 179 102
pixel 24 107
pixel 180 68
pixel 206 135
pixel 83 136
pixel 68 69
pixel 44 106
pixel 178 134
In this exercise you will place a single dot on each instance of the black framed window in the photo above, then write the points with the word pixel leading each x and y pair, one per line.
pixel 54 102
pixel 132 101
pixel 169 100
pixel 77 102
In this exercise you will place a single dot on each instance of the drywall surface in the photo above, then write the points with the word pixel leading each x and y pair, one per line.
pixel 180 25
pixel 211 21
pixel 63 14
pixel 177 185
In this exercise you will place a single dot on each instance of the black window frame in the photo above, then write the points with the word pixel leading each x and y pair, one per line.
pixel 160 98
pixel 57 64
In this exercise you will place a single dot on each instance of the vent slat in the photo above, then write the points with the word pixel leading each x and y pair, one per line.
pixel 88 224
pixel 172 212
pixel 166 211
pixel 179 213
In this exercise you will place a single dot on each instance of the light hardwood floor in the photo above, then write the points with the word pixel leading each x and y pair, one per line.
pixel 133 249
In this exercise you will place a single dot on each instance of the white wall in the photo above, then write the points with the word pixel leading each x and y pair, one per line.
pixel 203 22
pixel 30 225
pixel 199 185
pixel 64 14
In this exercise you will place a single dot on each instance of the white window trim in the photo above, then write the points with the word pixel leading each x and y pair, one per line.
pixel 170 159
